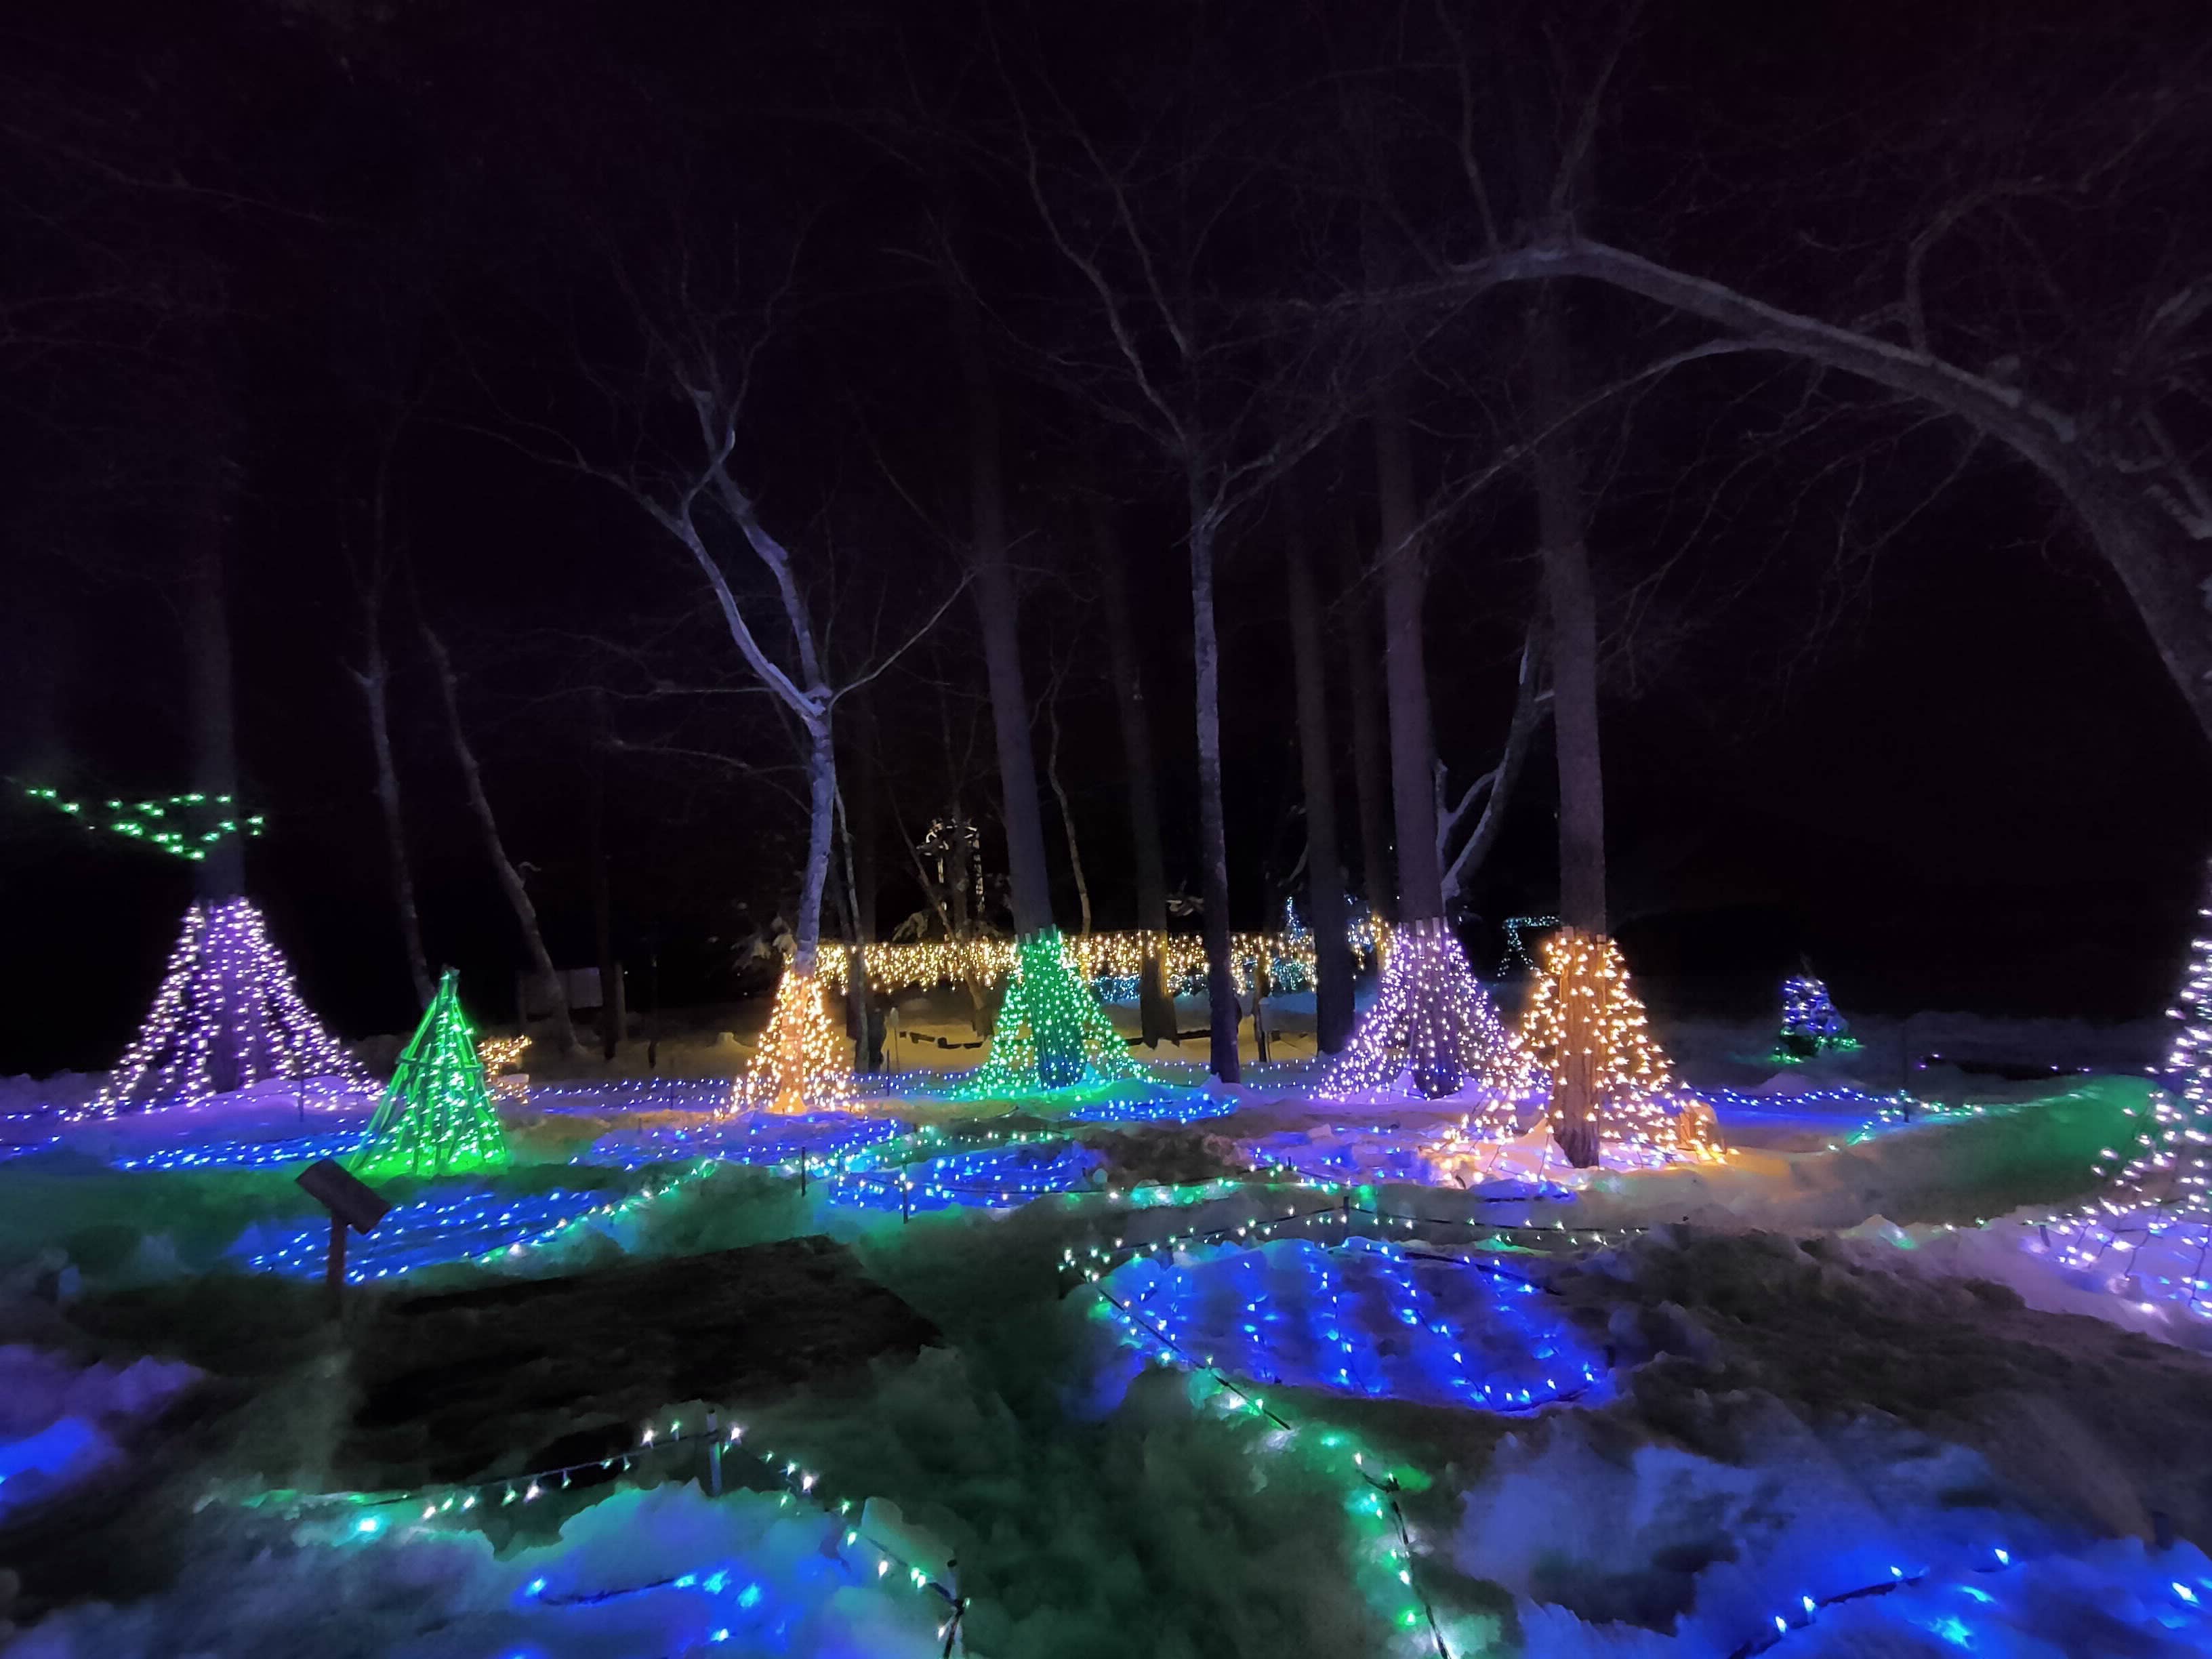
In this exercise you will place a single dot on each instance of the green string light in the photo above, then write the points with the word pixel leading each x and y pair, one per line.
pixel 165 821
pixel 437 1115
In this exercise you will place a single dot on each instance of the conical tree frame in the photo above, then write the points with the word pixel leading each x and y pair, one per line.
pixel 1431 1019
pixel 437 1115
pixel 1052 1032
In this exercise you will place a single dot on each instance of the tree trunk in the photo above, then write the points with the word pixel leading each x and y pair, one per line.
pixel 603 926
pixel 1325 905
pixel 1413 753
pixel 1561 526
pixel 1002 649
pixel 1066 816
pixel 510 879
pixel 1155 1006
pixel 864 1020
pixel 1370 749
pixel 1213 840
pixel 374 680
pixel 821 829
pixel 211 699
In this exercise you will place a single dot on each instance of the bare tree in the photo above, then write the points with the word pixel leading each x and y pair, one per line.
pixel 1156 1008
pixel 372 580
pixel 2096 384
pixel 1332 998
pixel 510 877
pixel 1176 356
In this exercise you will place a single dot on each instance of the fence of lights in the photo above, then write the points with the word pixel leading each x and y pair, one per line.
pixel 1431 1022
pixel 227 1015
pixel 2154 1219
pixel 1810 1024
pixel 1112 963
pixel 171 823
pixel 436 1116
pixel 1583 1013
pixel 364 1517
pixel 1051 1034
pixel 799 1066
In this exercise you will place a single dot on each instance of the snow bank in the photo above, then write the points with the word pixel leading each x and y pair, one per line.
pixel 61 1422
pixel 663 1573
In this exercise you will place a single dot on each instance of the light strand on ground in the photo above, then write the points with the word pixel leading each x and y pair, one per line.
pixel 462 1501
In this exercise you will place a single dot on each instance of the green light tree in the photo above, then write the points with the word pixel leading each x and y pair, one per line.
pixel 437 1115
pixel 1052 1032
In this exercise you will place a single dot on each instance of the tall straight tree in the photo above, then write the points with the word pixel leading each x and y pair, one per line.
pixel 1169 352
pixel 510 879
pixel 1404 561
pixel 1325 904
pixel 1371 744
pixel 1155 1009
pixel 997 610
pixel 1561 519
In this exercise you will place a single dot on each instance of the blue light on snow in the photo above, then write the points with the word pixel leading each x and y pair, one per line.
pixel 995 1178
pixel 436 1228
pixel 765 1139
pixel 1364 1319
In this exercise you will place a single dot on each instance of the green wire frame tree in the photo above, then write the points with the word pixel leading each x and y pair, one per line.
pixel 436 1116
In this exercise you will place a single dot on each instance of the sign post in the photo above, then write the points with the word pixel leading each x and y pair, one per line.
pixel 352 1203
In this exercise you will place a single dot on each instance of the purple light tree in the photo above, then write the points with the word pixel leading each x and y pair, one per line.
pixel 1431 1020
pixel 227 1015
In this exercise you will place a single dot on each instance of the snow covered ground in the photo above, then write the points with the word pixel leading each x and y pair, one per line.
pixel 1341 1381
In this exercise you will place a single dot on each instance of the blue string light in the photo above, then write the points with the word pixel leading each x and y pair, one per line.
pixel 1366 1318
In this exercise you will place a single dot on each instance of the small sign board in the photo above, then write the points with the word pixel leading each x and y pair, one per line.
pixel 352 1201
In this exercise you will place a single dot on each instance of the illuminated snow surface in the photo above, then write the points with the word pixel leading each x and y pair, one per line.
pixel 1709 1439
pixel 1369 1319
pixel 641 1575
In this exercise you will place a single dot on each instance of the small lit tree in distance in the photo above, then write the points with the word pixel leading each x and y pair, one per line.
pixel 1810 1023
pixel 437 1116
pixel 1433 1021
pixel 798 1067
pixel 1610 1080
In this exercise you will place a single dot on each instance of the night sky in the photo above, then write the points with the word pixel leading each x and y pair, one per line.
pixel 1868 694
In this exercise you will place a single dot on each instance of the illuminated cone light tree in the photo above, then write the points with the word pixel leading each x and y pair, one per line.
pixel 1052 1032
pixel 1610 1080
pixel 1432 1023
pixel 799 1066
pixel 2161 1191
pixel 1810 1023
pixel 437 1116
pixel 227 1015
